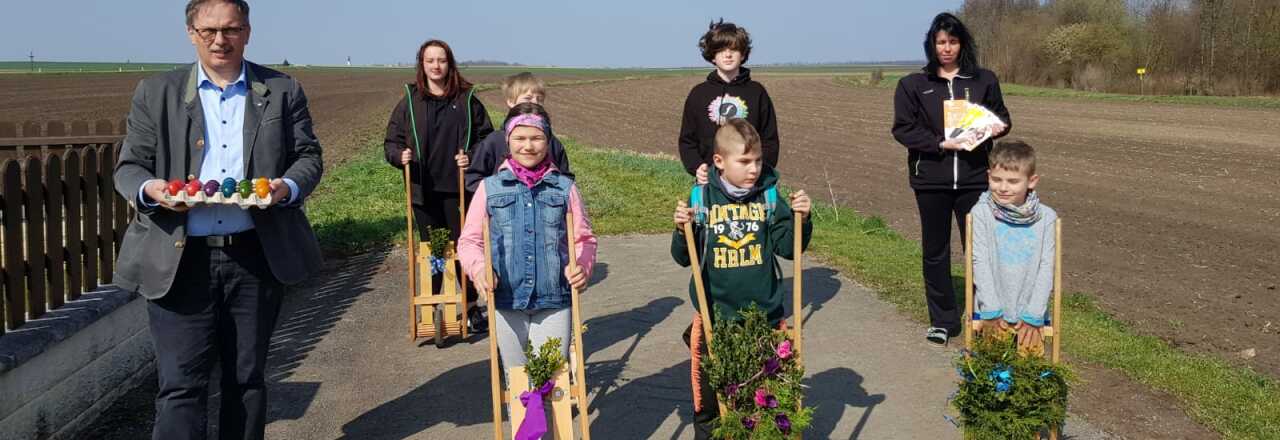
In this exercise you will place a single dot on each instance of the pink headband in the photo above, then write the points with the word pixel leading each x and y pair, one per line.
pixel 527 120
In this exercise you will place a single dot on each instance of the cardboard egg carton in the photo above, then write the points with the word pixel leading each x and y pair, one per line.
pixel 253 201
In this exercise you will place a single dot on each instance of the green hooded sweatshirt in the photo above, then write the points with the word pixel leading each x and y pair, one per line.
pixel 739 242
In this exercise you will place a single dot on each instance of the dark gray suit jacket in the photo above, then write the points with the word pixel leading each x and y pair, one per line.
pixel 165 140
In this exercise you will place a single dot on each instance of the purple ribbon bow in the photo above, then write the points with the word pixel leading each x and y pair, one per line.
pixel 535 417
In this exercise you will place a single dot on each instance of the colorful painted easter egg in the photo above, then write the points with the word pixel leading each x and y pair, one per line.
pixel 211 188
pixel 228 187
pixel 193 187
pixel 245 188
pixel 175 187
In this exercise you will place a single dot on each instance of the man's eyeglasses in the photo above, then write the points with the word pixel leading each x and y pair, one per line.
pixel 230 33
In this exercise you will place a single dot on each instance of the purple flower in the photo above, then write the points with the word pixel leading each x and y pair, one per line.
pixel 761 397
pixel 772 366
pixel 771 402
pixel 784 424
pixel 749 423
pixel 731 390
pixel 784 349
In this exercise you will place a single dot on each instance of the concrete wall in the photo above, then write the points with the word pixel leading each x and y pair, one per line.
pixel 59 372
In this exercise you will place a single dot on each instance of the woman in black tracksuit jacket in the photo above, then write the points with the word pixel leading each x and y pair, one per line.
pixel 431 144
pixel 946 179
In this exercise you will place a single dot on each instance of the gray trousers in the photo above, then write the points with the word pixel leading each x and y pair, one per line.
pixel 519 328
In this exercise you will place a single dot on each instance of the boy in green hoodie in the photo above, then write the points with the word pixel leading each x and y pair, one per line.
pixel 740 229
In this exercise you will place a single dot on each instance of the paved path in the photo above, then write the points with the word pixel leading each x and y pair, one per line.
pixel 343 367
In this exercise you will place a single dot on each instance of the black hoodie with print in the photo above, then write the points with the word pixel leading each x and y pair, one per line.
pixel 918 123
pixel 715 100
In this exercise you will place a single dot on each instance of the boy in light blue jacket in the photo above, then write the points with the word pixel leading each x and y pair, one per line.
pixel 1013 246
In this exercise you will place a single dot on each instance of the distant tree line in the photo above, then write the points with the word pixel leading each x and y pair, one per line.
pixel 1193 47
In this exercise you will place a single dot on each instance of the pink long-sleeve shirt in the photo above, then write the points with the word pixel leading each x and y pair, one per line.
pixel 471 240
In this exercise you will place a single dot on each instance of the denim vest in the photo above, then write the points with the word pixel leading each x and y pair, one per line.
pixel 528 240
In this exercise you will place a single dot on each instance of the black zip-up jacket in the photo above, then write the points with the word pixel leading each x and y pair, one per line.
pixel 918 125
pixel 698 126
pixel 442 130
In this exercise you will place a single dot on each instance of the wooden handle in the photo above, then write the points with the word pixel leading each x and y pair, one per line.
pixel 462 195
pixel 462 275
pixel 797 294
pixel 797 303
pixel 1057 290
pixel 413 255
pixel 968 282
pixel 580 388
pixel 703 309
pixel 697 282
pixel 462 199
pixel 494 380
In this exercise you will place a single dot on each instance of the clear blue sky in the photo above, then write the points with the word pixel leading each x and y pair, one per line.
pixel 567 33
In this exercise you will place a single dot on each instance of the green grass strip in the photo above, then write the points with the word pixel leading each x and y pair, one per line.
pixel 360 205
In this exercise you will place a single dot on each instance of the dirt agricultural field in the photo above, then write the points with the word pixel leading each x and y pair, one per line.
pixel 348 105
pixel 1172 212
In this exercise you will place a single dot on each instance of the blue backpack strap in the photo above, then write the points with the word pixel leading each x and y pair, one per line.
pixel 697 202
pixel 770 201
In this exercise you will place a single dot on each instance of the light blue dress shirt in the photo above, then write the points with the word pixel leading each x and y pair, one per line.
pixel 223 155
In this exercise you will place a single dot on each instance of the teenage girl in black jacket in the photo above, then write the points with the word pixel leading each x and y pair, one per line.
pixel 431 144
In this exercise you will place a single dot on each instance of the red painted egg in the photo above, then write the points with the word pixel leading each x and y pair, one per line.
pixel 175 187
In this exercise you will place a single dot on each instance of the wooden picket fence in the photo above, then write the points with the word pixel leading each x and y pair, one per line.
pixel 61 220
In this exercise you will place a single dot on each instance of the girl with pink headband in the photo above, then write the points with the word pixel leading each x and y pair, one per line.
pixel 525 204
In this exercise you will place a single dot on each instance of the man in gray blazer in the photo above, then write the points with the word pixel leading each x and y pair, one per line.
pixel 214 275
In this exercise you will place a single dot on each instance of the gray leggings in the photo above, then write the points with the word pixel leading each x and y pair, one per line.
pixel 518 328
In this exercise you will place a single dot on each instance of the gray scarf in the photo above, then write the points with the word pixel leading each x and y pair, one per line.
pixel 1026 214
pixel 734 191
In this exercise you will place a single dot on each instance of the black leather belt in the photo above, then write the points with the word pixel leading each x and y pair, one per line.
pixel 224 241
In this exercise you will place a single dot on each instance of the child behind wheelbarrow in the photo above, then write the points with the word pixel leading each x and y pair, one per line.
pixel 1013 248
pixel 740 228
pixel 524 205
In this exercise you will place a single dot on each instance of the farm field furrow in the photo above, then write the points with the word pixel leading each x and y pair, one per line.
pixel 347 105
